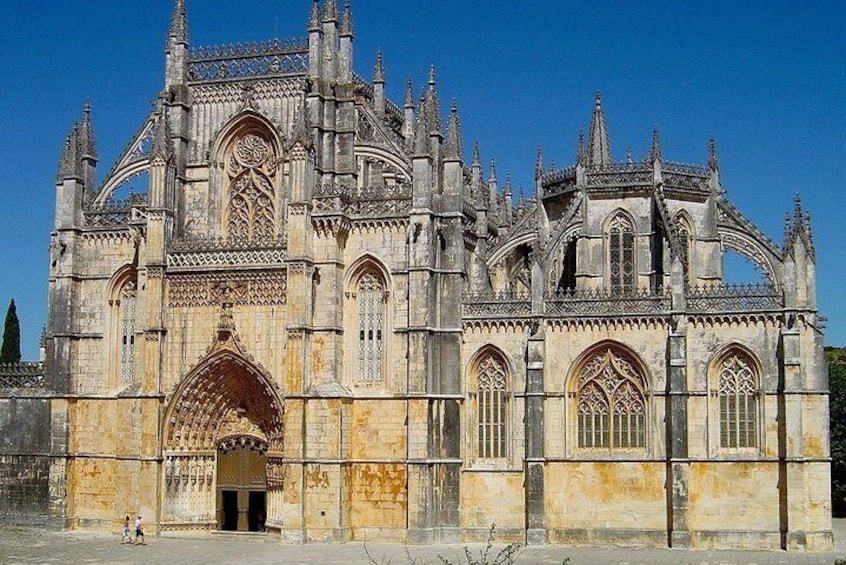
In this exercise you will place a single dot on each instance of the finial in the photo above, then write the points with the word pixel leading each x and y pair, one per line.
pixel 162 144
pixel 346 21
pixel 713 164
pixel 508 187
pixel 552 166
pixel 178 26
pixel 301 131
pixel 629 158
pixel 521 200
pixel 453 146
pixel 409 93
pixel 598 99
pixel 655 154
pixel 379 70
pixel 432 76
pixel 492 175
pixel 477 161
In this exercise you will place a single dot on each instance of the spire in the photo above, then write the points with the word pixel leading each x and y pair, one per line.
pixel 346 21
pixel 655 153
pixel 454 146
pixel 477 161
pixel 713 163
pixel 492 176
pixel 314 17
pixel 330 11
pixel 178 27
pixel 539 168
pixel 379 71
pixel 409 94
pixel 599 148
pixel 88 147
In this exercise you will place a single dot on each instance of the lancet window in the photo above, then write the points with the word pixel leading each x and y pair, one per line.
pixel 492 406
pixel 738 401
pixel 251 206
pixel 621 264
pixel 127 309
pixel 611 402
pixel 371 298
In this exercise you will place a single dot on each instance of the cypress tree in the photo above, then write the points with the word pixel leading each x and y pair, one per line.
pixel 11 350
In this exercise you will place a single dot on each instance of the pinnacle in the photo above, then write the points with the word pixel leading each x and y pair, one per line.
pixel 581 154
pixel 477 162
pixel 314 17
pixel 330 11
pixel 539 166
pixel 713 163
pixel 454 143
pixel 379 71
pixel 162 145
pixel 432 76
pixel 493 170
pixel 655 154
pixel 599 148
pixel 178 26
pixel 409 94
pixel 87 143
pixel 346 20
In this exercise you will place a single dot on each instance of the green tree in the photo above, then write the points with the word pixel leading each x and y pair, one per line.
pixel 837 422
pixel 11 350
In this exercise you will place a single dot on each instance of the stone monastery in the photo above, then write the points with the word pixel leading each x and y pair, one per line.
pixel 319 321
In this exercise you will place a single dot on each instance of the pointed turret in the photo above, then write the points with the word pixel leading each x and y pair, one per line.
pixel 379 69
pixel 69 168
pixel 88 151
pixel 599 148
pixel 330 11
pixel 176 60
pixel 453 147
pixel 178 25
pixel 314 17
pixel 655 152
pixel 346 21
pixel 379 86
pixel 581 152
pixel 408 123
pixel 433 110
pixel 539 167
pixel 421 135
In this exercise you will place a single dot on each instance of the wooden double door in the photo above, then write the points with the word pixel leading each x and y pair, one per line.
pixel 241 490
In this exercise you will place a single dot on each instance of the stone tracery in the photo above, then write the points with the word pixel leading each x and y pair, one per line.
pixel 251 207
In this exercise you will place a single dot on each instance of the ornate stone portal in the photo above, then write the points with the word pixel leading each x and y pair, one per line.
pixel 401 349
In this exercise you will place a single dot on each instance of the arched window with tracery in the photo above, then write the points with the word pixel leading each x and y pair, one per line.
pixel 621 260
pixel 251 165
pixel 127 308
pixel 738 401
pixel 371 297
pixel 492 409
pixel 611 402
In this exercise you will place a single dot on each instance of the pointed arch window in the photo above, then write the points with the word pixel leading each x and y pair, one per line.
pixel 492 410
pixel 127 309
pixel 611 403
pixel 251 206
pixel 371 296
pixel 621 264
pixel 738 402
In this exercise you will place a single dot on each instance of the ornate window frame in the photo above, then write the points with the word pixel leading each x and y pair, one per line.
pixel 367 323
pixel 489 419
pixel 122 329
pixel 620 237
pixel 745 422
pixel 610 373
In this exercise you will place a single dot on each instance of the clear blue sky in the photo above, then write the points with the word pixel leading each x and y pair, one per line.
pixel 767 79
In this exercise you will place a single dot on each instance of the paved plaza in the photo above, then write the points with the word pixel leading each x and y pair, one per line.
pixel 31 546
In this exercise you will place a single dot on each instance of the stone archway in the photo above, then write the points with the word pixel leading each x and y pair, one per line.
pixel 224 413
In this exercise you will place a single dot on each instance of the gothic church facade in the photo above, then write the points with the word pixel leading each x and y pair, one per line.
pixel 319 320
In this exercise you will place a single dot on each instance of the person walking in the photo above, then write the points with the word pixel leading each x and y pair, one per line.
pixel 126 536
pixel 139 532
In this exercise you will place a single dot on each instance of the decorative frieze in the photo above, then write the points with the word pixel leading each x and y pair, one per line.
pixel 209 289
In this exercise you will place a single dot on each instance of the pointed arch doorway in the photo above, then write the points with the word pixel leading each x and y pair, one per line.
pixel 223 446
